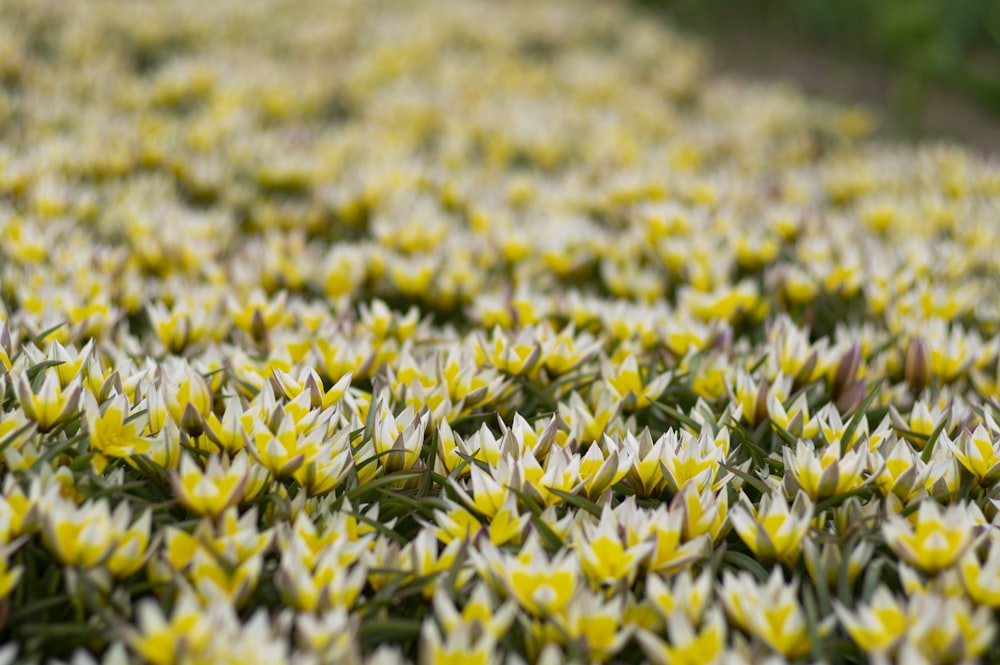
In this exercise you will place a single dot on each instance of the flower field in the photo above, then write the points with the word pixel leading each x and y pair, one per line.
pixel 475 332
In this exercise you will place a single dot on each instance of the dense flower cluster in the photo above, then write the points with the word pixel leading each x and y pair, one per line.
pixel 478 332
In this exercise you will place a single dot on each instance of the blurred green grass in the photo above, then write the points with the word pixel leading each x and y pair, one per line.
pixel 928 44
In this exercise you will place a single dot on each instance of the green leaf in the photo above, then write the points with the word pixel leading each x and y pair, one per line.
pixel 747 563
pixel 361 492
pixel 577 501
pixel 812 623
pixel 373 633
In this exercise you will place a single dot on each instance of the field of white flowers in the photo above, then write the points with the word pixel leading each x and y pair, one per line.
pixel 459 331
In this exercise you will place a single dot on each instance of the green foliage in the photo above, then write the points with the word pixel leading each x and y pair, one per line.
pixel 951 42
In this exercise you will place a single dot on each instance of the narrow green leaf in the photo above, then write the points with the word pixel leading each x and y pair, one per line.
pixel 577 501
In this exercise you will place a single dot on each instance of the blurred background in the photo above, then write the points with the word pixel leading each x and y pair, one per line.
pixel 930 67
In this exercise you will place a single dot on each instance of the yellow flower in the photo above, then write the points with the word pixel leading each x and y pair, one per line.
pixel 773 531
pixel 179 326
pixel 645 475
pixel 70 361
pixel 257 315
pixel 704 513
pixel 490 488
pixel 752 395
pixel 227 433
pixel 901 473
pixel 671 552
pixel 283 451
pixel 84 536
pixel 461 646
pixel 877 627
pixel 946 629
pixel 132 549
pixel 688 645
pixel 686 596
pixel 561 472
pixel 979 453
pixel 518 356
pixel 596 624
pixel 165 447
pixel 936 539
pixel 169 642
pixel 455 523
pixel 823 473
pixel 771 612
pixel 540 585
pixel 562 352
pixel 604 558
pixel 589 424
pixel 112 431
pixel 310 382
pixel 795 419
pixel 335 580
pixel 625 380
pixel 399 439
pixel 212 490
pixel 480 610
pixel 981 579
pixel 52 405
pixel 824 563
pixel 218 578
pixel 326 469
pixel 686 459
pixel 599 471
pixel 920 424
pixel 187 395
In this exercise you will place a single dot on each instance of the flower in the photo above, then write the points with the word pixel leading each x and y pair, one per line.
pixel 933 540
pixel 188 397
pixel 480 610
pixel 132 549
pixel 540 585
pixel 399 439
pixel 824 473
pixel 52 405
pixel 604 558
pixel 878 626
pixel 946 629
pixel 771 612
pixel 981 579
pixel 461 646
pixel 625 380
pixel 163 641
pixel 214 489
pixel 595 623
pixel 687 644
pixel 774 531
pixel 113 432
pixel 979 453
pixel 85 535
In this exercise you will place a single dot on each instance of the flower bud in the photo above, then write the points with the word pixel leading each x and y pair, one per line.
pixel 917 368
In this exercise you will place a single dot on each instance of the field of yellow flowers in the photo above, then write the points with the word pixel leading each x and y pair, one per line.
pixel 458 331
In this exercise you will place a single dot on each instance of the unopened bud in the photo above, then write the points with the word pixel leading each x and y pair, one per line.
pixel 723 340
pixel 847 370
pixel 851 398
pixel 258 326
pixel 917 368
pixel 192 421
